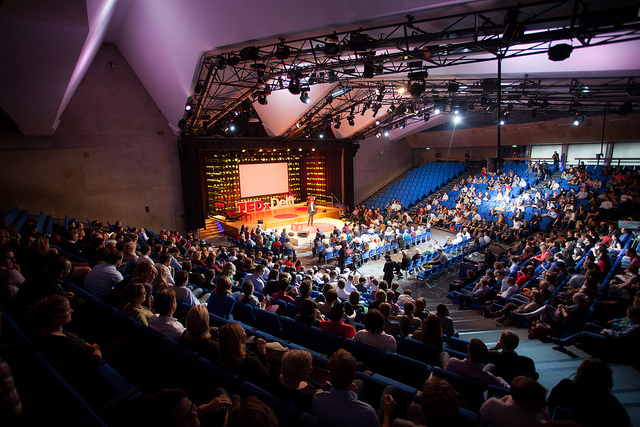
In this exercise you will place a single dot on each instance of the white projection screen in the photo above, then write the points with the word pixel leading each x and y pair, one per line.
pixel 263 179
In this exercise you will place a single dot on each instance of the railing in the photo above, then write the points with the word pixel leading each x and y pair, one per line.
pixel 609 160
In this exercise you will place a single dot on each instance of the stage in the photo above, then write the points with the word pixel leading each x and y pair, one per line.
pixel 293 218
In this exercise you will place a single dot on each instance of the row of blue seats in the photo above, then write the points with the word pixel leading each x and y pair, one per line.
pixel 16 218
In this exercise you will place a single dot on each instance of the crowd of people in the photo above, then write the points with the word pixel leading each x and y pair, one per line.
pixel 171 282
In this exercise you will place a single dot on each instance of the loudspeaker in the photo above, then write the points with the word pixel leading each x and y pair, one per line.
pixel 303 234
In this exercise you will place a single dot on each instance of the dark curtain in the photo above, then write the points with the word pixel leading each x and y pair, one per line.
pixel 192 190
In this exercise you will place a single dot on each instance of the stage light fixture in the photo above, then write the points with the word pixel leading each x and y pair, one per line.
pixel 457 119
pixel 294 86
pixel 197 89
pixel 453 87
pixel 233 60
pixel 321 135
pixel 262 98
pixel 378 134
pixel 375 109
pixel 577 121
pixel 351 120
pixel 513 29
pixel 331 50
pixel 337 125
pixel 377 122
pixel 283 52
pixel 560 52
pixel 187 107
pixel 437 109
pixel 249 52
pixel 304 98
pixel 391 108
pixel 402 125
pixel 416 88
pixel 401 90
pixel 386 132
pixel 221 63
pixel 426 116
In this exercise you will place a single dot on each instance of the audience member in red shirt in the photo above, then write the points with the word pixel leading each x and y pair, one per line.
pixel 336 325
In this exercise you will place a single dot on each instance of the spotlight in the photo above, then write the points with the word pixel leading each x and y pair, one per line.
pixel 321 135
pixel 221 63
pixel 198 87
pixel 457 119
pixel 365 108
pixel 386 132
pixel 426 116
pixel 232 127
pixel 402 125
pixel 337 125
pixel 305 98
pixel 187 107
pixel 249 52
pixel 331 50
pixel 453 87
pixel 502 122
pixel 401 90
pixel 513 29
pixel 375 109
pixel 577 121
pixel 391 108
pixel 262 98
pixel 437 109
pixel 351 120
pixel 378 134
pixel 560 52
pixel 294 86
pixel 416 88
pixel 283 52
pixel 377 122
pixel 233 60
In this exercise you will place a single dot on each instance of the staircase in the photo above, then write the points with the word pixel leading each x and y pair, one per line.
pixel 213 231
pixel 540 185
pixel 474 170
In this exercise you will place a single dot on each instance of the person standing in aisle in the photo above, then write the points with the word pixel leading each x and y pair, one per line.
pixel 311 209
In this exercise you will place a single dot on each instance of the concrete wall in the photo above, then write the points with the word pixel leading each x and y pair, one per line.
pixel 112 155
pixel 371 169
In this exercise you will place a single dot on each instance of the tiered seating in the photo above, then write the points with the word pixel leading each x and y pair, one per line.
pixel 418 183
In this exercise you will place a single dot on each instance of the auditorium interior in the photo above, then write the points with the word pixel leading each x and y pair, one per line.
pixel 422 126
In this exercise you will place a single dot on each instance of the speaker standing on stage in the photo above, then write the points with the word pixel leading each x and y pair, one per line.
pixel 311 209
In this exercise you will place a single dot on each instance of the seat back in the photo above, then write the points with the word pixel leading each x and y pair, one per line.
pixel 406 370
pixel 267 321
pixel 324 342
pixel 294 331
pixel 243 312
pixel 471 391
pixel 371 357
pixel 418 350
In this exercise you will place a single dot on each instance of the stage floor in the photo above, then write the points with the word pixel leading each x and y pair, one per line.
pixel 294 219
